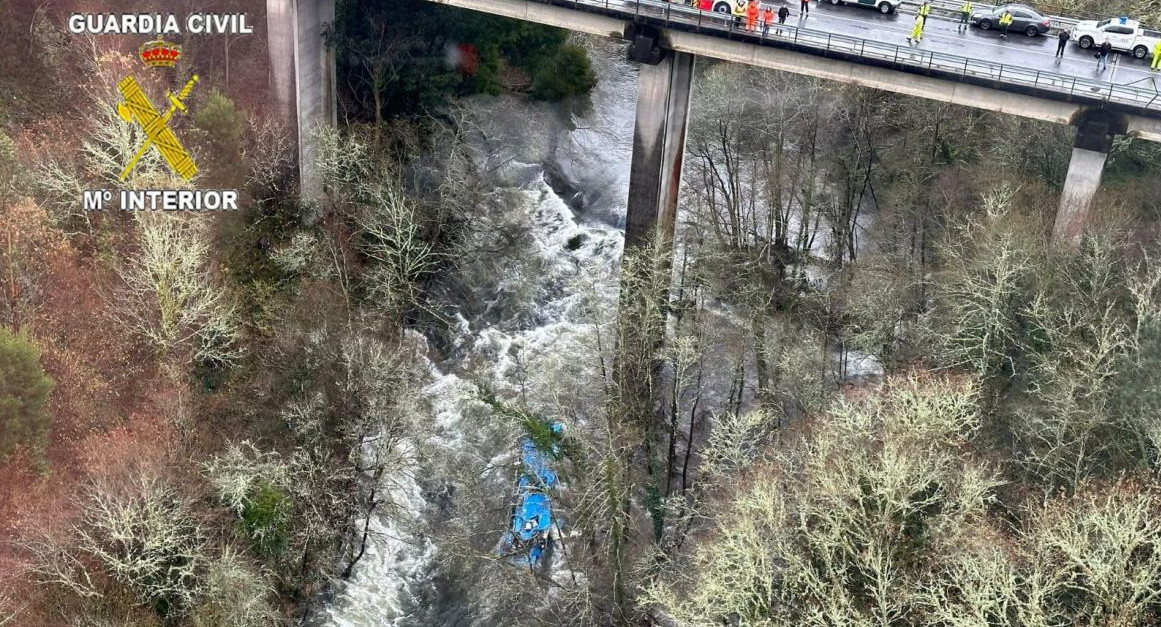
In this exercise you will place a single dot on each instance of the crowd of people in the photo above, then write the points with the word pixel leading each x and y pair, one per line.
pixel 753 15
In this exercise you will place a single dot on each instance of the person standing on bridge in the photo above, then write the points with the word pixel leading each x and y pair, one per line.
pixel 1005 22
pixel 924 11
pixel 1102 55
pixel 1061 42
pixel 783 13
pixel 805 9
pixel 739 12
pixel 917 30
pixel 752 15
pixel 1157 55
pixel 965 15
pixel 767 20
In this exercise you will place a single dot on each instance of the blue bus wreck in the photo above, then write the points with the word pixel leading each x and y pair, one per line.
pixel 531 533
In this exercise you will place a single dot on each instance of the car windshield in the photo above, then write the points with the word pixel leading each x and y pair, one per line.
pixel 1102 23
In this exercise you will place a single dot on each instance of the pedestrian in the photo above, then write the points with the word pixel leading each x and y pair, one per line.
pixel 783 13
pixel 1157 55
pixel 924 11
pixel 917 30
pixel 1005 22
pixel 739 12
pixel 767 20
pixel 752 15
pixel 1061 42
pixel 805 8
pixel 1103 55
pixel 965 14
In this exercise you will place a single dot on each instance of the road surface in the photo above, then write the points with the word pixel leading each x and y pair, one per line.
pixel 941 35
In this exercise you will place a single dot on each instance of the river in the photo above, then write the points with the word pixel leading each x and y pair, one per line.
pixel 563 173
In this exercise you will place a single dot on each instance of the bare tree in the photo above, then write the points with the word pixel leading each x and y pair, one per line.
pixel 236 594
pixel 167 293
pixel 833 533
pixel 145 535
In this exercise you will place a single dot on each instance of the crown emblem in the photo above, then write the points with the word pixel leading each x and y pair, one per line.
pixel 160 53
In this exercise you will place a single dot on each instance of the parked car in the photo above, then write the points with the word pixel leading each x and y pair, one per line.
pixel 1124 34
pixel 886 7
pixel 1025 19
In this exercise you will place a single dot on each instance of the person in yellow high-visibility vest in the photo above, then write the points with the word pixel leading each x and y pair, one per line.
pixel 1157 55
pixel 1005 22
pixel 739 11
pixel 917 30
pixel 924 11
pixel 965 14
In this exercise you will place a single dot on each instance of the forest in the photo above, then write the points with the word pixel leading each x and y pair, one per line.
pixel 882 394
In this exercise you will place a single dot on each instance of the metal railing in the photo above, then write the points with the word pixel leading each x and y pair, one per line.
pixel 947 66
pixel 950 8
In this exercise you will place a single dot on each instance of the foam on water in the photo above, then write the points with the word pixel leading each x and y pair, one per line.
pixel 576 261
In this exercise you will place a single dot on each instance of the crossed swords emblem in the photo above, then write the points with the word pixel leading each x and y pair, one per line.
pixel 137 106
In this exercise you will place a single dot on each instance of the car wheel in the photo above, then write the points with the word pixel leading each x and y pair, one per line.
pixel 1031 31
pixel 721 7
pixel 1085 42
pixel 1140 52
pixel 885 8
pixel 985 24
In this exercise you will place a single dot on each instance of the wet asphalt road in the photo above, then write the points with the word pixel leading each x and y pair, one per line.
pixel 941 35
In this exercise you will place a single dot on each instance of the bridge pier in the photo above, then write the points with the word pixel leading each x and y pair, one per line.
pixel 659 132
pixel 663 98
pixel 1094 139
pixel 303 64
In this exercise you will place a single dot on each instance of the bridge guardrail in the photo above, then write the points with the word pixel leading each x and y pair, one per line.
pixel 1148 99
pixel 950 8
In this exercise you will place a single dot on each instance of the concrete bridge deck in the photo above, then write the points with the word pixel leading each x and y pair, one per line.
pixel 854 45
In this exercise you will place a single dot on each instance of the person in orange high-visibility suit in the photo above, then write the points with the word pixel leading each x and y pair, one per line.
pixel 768 19
pixel 752 15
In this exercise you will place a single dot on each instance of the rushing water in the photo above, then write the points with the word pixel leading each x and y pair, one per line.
pixel 565 176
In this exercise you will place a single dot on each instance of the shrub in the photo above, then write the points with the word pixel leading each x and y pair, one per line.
pixel 24 390
pixel 224 125
pixel 265 519
pixel 563 75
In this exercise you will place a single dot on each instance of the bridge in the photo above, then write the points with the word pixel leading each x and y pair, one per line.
pixel 1017 75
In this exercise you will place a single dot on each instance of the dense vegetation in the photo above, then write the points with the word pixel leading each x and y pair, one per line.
pixel 233 391
pixel 406 57
pixel 237 397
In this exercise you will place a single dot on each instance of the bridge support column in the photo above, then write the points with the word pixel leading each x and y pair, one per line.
pixel 302 67
pixel 658 139
pixel 280 48
pixel 1094 138
pixel 314 78
pixel 663 98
